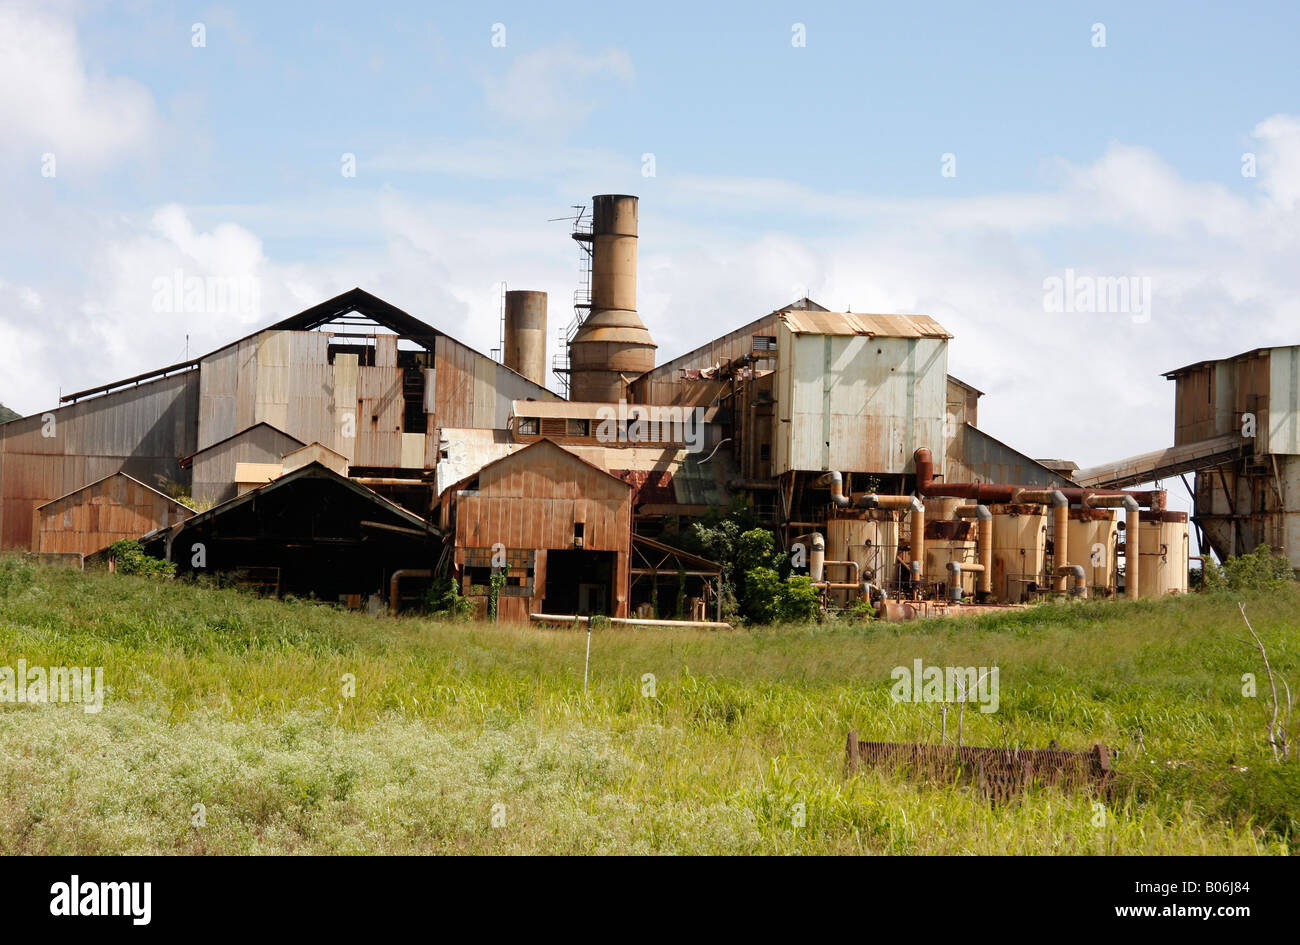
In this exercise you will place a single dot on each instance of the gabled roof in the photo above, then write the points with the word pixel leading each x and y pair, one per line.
pixel 798 305
pixel 312 470
pixel 90 485
pixel 186 460
pixel 960 383
pixel 541 444
pixel 358 300
pixel 873 326
pixel 316 443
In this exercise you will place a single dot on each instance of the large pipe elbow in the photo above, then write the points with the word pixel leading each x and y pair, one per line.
pixel 395 581
pixel 923 460
pixel 835 481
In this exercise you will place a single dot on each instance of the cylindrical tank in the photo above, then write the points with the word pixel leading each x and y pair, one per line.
pixel 950 540
pixel 526 334
pixel 871 541
pixel 1019 549
pixel 1094 539
pixel 612 345
pixel 1163 546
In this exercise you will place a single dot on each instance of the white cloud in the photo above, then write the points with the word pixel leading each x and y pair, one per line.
pixel 1280 158
pixel 552 87
pixel 51 102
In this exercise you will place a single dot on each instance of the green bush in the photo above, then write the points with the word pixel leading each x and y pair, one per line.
pixel 1261 570
pixel 131 559
pixel 770 599
pixel 445 601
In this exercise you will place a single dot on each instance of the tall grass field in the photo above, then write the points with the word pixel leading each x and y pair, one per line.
pixel 234 725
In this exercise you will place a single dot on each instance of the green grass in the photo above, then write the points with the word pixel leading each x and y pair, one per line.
pixel 236 703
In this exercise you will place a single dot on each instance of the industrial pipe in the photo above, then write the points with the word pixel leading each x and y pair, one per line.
pixel 1132 523
pixel 1060 525
pixel 817 557
pixel 850 564
pixel 836 483
pixel 955 568
pixel 983 542
pixel 1153 499
pixel 1080 577
pixel 397 577
pixel 871 500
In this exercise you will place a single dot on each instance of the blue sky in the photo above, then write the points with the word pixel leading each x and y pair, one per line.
pixel 778 169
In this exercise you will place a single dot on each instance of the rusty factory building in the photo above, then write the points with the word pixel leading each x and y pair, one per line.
pixel 355 453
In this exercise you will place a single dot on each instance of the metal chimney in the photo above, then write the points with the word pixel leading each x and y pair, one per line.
pixel 525 334
pixel 612 346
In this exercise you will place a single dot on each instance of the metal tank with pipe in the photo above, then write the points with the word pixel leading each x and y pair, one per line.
pixel 612 346
pixel 1132 531
pixel 526 334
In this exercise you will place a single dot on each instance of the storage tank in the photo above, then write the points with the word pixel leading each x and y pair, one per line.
pixel 1019 550
pixel 1094 541
pixel 612 346
pixel 951 540
pixel 526 334
pixel 1163 546
pixel 871 541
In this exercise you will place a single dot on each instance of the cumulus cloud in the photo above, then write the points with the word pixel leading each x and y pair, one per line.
pixel 555 87
pixel 52 102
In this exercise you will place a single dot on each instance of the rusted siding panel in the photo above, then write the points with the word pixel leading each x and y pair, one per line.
pixel 140 430
pixel 1283 405
pixel 310 415
pixel 214 468
pixel 379 426
pixel 97 515
pixel 532 499
pixel 665 385
pixel 974 456
pixel 347 407
pixel 859 404
pixel 218 377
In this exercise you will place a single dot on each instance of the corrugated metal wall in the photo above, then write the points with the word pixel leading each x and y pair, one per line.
pixel 858 404
pixel 974 456
pixel 665 385
pixel 531 500
pixel 214 468
pixel 141 431
pixel 94 517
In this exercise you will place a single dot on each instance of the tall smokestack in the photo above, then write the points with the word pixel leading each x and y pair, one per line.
pixel 612 346
pixel 526 334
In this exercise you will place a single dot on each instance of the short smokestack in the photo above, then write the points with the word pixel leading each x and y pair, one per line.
pixel 526 334
pixel 612 346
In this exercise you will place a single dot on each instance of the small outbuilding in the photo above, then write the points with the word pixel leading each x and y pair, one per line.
pixel 108 510
pixel 559 526
pixel 309 532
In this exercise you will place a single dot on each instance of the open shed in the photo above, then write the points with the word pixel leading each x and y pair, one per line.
pixel 310 532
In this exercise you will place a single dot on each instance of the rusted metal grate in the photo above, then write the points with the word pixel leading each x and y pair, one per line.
pixel 1000 773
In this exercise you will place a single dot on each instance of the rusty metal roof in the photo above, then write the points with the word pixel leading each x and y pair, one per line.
pixel 873 326
pixel 1233 357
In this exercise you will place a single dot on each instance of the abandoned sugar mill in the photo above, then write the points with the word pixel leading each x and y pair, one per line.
pixel 355 453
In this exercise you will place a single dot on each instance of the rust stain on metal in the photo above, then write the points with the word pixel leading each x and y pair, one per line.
pixel 1000 773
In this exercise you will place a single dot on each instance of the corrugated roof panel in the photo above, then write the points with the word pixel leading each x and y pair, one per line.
pixel 850 323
